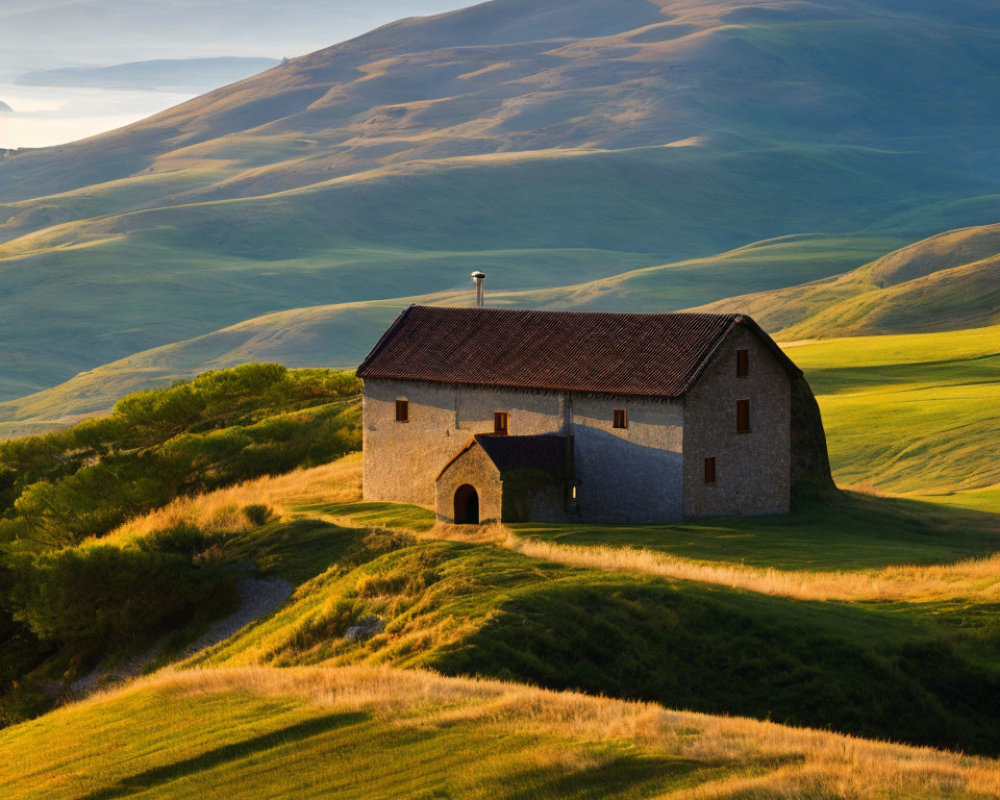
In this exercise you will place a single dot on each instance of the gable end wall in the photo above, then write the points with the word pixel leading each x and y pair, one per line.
pixel 753 470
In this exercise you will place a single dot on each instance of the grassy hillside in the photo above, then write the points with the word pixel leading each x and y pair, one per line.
pixel 367 733
pixel 341 335
pixel 947 282
pixel 911 414
pixel 563 613
pixel 68 596
pixel 865 614
pixel 551 143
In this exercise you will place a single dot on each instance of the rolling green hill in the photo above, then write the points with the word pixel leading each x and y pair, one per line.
pixel 369 733
pixel 343 334
pixel 947 282
pixel 510 135
pixel 859 613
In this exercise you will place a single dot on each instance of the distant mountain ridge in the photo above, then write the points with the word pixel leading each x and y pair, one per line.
pixel 196 74
pixel 550 142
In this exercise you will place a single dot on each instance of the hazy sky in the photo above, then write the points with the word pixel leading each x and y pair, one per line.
pixel 41 34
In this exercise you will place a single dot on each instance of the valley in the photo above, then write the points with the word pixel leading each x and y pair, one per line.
pixel 623 141
pixel 185 302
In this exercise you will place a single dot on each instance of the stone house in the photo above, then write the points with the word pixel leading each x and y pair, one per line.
pixel 497 414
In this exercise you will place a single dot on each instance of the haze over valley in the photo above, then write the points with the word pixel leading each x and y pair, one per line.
pixel 235 563
pixel 549 144
pixel 52 48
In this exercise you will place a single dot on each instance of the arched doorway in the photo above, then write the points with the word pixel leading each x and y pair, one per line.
pixel 466 505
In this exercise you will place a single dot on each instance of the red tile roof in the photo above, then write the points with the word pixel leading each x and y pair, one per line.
pixel 642 355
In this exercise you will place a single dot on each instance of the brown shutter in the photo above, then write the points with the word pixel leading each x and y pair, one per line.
pixel 742 363
pixel 621 419
pixel 500 423
pixel 402 411
pixel 742 416
pixel 709 470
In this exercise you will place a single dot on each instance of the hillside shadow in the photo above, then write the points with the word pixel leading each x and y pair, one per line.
pixel 627 776
pixel 886 672
pixel 981 369
pixel 851 531
pixel 220 756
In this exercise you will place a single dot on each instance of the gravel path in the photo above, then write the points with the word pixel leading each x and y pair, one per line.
pixel 257 597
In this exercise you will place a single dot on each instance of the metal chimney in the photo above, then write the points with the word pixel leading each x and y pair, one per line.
pixel 479 277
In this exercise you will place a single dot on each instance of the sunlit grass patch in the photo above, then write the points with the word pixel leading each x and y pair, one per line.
pixel 375 733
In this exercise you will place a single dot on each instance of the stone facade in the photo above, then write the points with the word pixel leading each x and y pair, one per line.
pixel 752 469
pixel 471 468
pixel 632 474
pixel 652 469
pixel 403 459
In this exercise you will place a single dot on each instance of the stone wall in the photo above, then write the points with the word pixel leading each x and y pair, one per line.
pixel 532 495
pixel 403 459
pixel 632 474
pixel 473 468
pixel 752 469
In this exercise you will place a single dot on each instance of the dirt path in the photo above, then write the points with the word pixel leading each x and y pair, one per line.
pixel 257 597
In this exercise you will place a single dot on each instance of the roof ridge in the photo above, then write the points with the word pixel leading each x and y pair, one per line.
pixel 608 353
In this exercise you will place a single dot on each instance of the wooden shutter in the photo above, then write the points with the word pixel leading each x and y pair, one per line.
pixel 500 423
pixel 402 411
pixel 709 470
pixel 742 363
pixel 742 416
pixel 621 418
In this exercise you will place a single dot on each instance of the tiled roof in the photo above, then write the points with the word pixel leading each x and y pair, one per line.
pixel 548 452
pixel 644 355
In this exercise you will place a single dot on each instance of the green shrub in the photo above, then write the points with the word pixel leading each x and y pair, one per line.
pixel 110 598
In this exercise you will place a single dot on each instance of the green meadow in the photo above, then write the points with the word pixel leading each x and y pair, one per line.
pixel 862 613
pixel 911 415
pixel 586 157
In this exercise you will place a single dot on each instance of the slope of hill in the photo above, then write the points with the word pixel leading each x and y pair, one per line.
pixel 56 597
pixel 676 629
pixel 947 282
pixel 341 335
pixel 194 75
pixel 911 414
pixel 370 733
pixel 658 131
pixel 844 629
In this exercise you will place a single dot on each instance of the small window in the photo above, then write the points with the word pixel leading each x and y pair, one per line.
pixel 743 416
pixel 621 418
pixel 500 422
pixel 709 470
pixel 742 363
pixel 402 411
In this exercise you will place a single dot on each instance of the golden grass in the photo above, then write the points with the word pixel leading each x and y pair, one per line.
pixel 340 482
pixel 223 509
pixel 972 579
pixel 803 763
